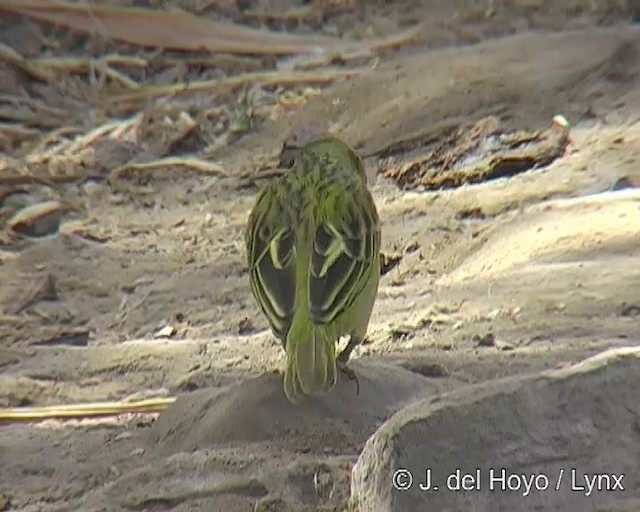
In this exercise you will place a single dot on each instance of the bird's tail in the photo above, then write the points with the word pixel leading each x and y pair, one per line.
pixel 311 361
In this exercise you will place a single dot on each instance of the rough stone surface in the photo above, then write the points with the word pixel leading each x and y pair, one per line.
pixel 583 420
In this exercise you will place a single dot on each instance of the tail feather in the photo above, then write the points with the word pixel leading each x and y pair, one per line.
pixel 311 364
pixel 292 388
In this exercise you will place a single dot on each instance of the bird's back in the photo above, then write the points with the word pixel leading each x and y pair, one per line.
pixel 313 251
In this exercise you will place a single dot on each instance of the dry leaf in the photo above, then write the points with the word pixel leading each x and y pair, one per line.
pixel 37 220
pixel 164 29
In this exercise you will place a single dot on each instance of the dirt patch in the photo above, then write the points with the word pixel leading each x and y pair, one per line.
pixel 500 278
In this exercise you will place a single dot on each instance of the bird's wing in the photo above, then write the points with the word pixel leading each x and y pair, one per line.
pixel 345 243
pixel 271 258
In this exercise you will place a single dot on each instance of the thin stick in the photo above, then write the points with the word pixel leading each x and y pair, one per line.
pixel 264 79
pixel 120 77
pixel 27 414
pixel 71 147
pixel 17 130
pixel 32 69
pixel 190 163
pixel 35 104
pixel 83 64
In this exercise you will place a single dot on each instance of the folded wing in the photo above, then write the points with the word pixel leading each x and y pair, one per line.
pixel 271 258
pixel 346 240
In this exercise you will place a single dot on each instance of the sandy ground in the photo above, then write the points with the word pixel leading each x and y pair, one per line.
pixel 509 276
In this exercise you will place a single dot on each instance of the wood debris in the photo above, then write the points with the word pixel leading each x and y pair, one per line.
pixel 486 151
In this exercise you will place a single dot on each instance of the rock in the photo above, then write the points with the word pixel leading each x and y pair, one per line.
pixel 551 429
pixel 166 332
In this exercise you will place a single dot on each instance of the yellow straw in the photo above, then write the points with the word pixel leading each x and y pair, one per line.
pixel 26 414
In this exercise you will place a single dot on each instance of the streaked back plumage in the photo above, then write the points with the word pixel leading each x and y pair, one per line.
pixel 313 243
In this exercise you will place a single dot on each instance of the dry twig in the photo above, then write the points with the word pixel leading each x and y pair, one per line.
pixel 10 56
pixel 193 164
pixel 29 414
pixel 264 79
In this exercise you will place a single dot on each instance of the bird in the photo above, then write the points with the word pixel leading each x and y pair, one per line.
pixel 313 254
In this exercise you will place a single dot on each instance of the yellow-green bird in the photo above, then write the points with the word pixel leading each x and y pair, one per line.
pixel 313 250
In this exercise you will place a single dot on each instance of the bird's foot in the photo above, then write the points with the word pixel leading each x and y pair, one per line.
pixel 351 375
pixel 345 354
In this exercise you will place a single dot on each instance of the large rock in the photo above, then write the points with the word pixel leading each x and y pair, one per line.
pixel 528 443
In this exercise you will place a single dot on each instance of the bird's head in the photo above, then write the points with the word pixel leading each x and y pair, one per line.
pixel 335 149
